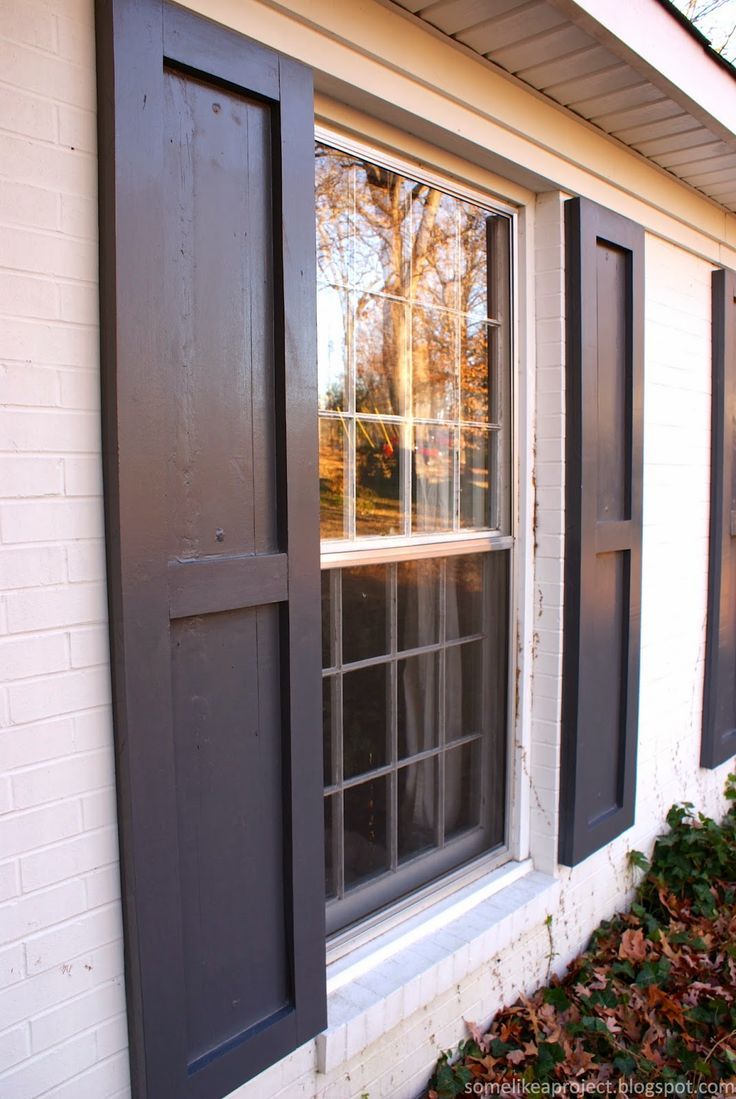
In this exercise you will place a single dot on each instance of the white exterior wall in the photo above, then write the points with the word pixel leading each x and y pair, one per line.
pixel 62 1021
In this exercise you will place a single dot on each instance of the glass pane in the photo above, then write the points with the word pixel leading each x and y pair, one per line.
pixel 327 686
pixel 365 719
pixel 332 347
pixel 333 447
pixel 331 845
pixel 332 205
pixel 475 347
pixel 434 247
pixel 464 684
pixel 365 631
pixel 418 707
pixel 464 607
pixel 417 808
pixel 380 356
pixel 474 465
pixel 377 478
pixel 432 503
pixel 366 850
pixel 379 242
pixel 462 788
pixel 434 364
pixel 474 224
pixel 418 603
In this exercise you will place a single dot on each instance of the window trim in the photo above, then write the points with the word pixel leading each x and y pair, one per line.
pixel 340 553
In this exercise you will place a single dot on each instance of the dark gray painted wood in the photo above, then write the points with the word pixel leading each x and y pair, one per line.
pixel 603 526
pixel 208 332
pixel 719 702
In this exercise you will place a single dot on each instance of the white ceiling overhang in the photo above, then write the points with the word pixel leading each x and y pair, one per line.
pixel 632 68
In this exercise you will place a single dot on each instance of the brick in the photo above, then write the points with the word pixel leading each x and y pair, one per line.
pixel 78 129
pixel 62 693
pixel 9 880
pixel 47 608
pixel 23 67
pixel 12 967
pixel 21 657
pixel 71 858
pixel 79 219
pixel 34 207
pixel 15 1046
pixel 81 1013
pixel 79 302
pixel 64 943
pixel 51 521
pixel 76 35
pixel 63 778
pixel 43 1073
pixel 51 343
pixel 110 1079
pixel 73 432
pixel 32 566
pixel 99 808
pixel 22 21
pixel 22 477
pixel 48 253
pixel 81 388
pixel 27 915
pixel 86 561
pixel 102 886
pixel 20 832
pixel 24 296
pixel 90 647
pixel 23 384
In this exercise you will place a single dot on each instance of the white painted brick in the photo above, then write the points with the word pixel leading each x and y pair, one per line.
pixel 35 609
pixel 83 476
pixel 64 693
pixel 26 831
pixel 24 477
pixel 25 296
pixel 90 646
pixel 63 778
pixel 73 432
pixel 73 1016
pixel 67 941
pixel 102 886
pixel 21 657
pixel 112 1037
pixel 43 1073
pixel 23 384
pixel 100 808
pixel 37 911
pixel 32 566
pixel 86 560
pixel 23 22
pixel 79 219
pixel 12 966
pixel 79 302
pixel 108 1080
pixel 22 205
pixel 81 388
pixel 9 880
pixel 47 253
pixel 15 1046
pixel 68 859
pixel 6 795
pixel 51 342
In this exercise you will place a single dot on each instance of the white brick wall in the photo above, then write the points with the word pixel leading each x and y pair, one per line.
pixel 62 1004
pixel 62 1012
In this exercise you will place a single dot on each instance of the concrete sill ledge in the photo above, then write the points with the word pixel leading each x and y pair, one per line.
pixel 376 988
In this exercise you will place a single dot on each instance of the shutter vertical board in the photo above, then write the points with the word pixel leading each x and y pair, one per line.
pixel 209 424
pixel 719 700
pixel 603 527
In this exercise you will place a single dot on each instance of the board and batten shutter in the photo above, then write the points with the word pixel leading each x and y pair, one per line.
pixel 209 415
pixel 719 701
pixel 603 526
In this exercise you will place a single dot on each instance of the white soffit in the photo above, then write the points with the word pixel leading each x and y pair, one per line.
pixel 629 67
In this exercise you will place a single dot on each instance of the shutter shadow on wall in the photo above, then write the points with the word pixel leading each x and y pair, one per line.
pixel 209 419
pixel 603 526
pixel 719 701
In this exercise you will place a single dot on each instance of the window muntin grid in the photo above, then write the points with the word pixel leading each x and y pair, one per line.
pixel 413 350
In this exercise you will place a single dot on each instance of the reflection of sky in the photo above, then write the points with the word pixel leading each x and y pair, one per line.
pixel 331 340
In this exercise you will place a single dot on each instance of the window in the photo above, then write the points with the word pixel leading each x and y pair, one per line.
pixel 414 347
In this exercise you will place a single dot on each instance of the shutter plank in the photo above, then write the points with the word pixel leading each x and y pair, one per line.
pixel 603 524
pixel 719 700
pixel 208 326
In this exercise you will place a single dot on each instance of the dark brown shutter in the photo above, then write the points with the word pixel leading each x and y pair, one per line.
pixel 719 702
pixel 603 526
pixel 208 354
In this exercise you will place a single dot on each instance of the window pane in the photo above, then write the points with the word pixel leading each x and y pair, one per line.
pixel 332 502
pixel 434 363
pixel 327 740
pixel 380 357
pixel 327 618
pixel 377 479
pixel 364 719
pixel 474 224
pixel 417 808
pixel 330 845
pixel 364 612
pixel 418 590
pixel 432 482
pixel 434 247
pixel 332 347
pixel 379 242
pixel 462 788
pixel 474 465
pixel 464 690
pixel 366 849
pixel 418 704
pixel 464 608
pixel 332 205
pixel 475 346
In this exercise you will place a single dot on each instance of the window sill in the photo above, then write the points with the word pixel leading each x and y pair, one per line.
pixel 375 988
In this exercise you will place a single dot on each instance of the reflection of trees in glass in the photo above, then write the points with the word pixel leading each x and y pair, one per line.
pixel 401 261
